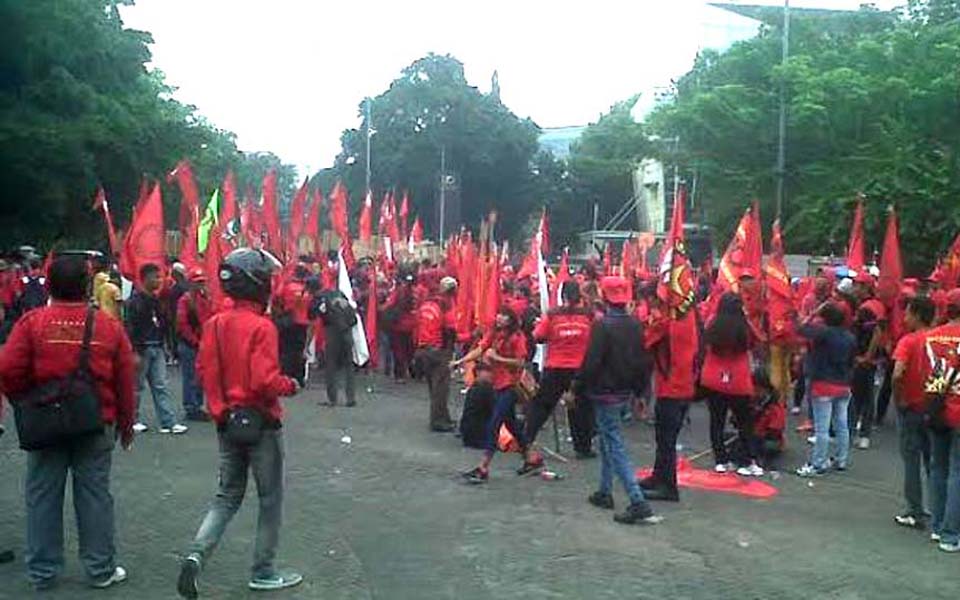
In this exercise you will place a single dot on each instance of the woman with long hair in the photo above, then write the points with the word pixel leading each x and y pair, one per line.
pixel 726 377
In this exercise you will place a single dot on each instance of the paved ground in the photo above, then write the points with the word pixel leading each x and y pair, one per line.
pixel 386 517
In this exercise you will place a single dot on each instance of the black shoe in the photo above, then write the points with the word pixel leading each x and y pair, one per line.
pixel 476 476
pixel 661 493
pixel 649 483
pixel 442 428
pixel 528 468
pixel 638 514
pixel 200 417
pixel 586 454
pixel 601 500
pixel 189 571
pixel 351 403
pixel 6 556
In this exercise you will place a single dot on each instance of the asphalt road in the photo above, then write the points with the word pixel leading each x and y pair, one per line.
pixel 386 516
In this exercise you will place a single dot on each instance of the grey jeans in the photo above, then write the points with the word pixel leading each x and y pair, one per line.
pixel 89 460
pixel 153 375
pixel 265 461
pixel 915 451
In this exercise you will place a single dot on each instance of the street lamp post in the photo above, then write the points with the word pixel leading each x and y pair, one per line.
pixel 369 135
pixel 781 146
pixel 443 189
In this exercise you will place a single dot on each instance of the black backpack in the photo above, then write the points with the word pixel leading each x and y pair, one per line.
pixel 336 311
pixel 34 293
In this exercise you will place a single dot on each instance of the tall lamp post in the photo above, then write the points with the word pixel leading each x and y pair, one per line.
pixel 782 129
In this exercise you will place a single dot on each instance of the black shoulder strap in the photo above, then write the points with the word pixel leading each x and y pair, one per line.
pixel 83 365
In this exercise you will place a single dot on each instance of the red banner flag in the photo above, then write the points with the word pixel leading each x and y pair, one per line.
pixel 211 265
pixel 416 234
pixel 366 219
pixel 544 229
pixel 100 204
pixel 741 257
pixel 189 218
pixel 675 285
pixel 298 211
pixel 855 248
pixel 780 299
pixel 371 325
pixel 950 268
pixel 338 211
pixel 271 218
pixel 145 240
pixel 404 215
pixel 394 231
pixel 491 293
pixel 891 269
pixel 563 276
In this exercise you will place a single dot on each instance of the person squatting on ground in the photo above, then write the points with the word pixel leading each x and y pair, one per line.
pixel 45 346
pixel 435 336
pixel 505 350
pixel 239 368
pixel 615 367
pixel 146 327
pixel 831 372
pixel 565 331
pixel 193 310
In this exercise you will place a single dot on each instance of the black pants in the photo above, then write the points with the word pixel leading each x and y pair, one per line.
pixel 339 364
pixel 883 396
pixel 293 341
pixel 670 414
pixel 553 384
pixel 861 405
pixel 720 405
pixel 401 345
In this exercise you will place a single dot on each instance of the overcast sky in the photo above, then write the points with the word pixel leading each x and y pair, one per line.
pixel 287 75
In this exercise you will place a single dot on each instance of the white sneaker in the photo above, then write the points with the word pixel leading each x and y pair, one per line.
pixel 176 429
pixel 812 440
pixel 863 443
pixel 140 427
pixel 119 576
pixel 753 470
pixel 720 468
pixel 949 547
pixel 795 410
pixel 935 537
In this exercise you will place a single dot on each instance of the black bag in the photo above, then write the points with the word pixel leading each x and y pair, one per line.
pixel 61 410
pixel 244 424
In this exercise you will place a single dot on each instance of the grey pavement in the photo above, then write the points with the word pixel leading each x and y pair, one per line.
pixel 386 516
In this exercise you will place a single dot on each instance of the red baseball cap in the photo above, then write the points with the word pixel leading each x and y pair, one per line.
pixel 876 307
pixel 864 277
pixel 616 289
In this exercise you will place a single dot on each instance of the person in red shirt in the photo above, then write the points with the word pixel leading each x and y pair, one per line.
pixel 194 308
pixel 239 369
pixel 566 332
pixel 434 337
pixel 909 374
pixel 44 346
pixel 291 307
pixel 727 378
pixel 505 349
pixel 400 321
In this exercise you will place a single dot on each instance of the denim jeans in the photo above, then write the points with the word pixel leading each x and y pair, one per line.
pixel 89 461
pixel 613 452
pixel 153 374
pixel 504 413
pixel 915 451
pixel 827 412
pixel 265 461
pixel 945 485
pixel 192 392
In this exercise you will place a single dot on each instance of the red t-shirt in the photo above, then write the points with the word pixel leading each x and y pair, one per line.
pixel 430 324
pixel 944 343
pixel 911 351
pixel 508 346
pixel 567 334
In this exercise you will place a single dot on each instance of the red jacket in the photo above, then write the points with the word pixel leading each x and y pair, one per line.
pixel 675 343
pixel 246 343
pixel 566 331
pixel 204 310
pixel 45 344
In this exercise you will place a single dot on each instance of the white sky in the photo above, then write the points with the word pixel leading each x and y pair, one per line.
pixel 287 75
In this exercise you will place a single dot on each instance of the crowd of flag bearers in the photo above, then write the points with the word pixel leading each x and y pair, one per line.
pixel 250 305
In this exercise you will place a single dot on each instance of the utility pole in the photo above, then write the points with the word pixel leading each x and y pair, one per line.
pixel 781 146
pixel 443 188
pixel 369 135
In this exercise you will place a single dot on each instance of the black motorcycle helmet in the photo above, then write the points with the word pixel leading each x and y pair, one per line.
pixel 246 273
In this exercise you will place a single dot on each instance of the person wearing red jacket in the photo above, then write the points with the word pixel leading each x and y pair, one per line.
pixel 194 308
pixel 674 342
pixel 566 332
pixel 43 346
pixel 435 334
pixel 239 369
pixel 400 321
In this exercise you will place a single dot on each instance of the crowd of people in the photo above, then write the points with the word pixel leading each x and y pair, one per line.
pixel 610 350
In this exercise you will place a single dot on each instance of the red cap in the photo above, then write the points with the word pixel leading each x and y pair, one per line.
pixel 864 277
pixel 616 289
pixel 876 307
pixel 197 275
pixel 953 297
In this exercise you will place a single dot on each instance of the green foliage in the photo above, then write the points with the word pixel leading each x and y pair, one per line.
pixel 872 107
pixel 78 107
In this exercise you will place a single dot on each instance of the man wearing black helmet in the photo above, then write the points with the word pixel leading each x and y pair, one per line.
pixel 239 369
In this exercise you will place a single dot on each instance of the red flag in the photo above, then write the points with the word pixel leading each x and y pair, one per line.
pixel 271 219
pixel 416 234
pixel 229 217
pixel 891 270
pixel 370 327
pixel 563 276
pixel 298 211
pixel 544 229
pixel 404 215
pixel 312 227
pixel 950 268
pixel 211 264
pixel 100 204
pixel 675 285
pixel 189 218
pixel 382 224
pixel 145 239
pixel 780 303
pixel 366 219
pixel 741 255
pixel 855 251
pixel 628 259
pixel 249 224
pixel 466 278
pixel 338 211
pixel 394 232
pixel 491 297
pixel 607 260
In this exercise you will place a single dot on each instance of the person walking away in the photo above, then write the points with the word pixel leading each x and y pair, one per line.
pixel 46 346
pixel 615 367
pixel 728 381
pixel 943 421
pixel 909 375
pixel 338 317
pixel 869 331
pixel 675 345
pixel 239 369
pixel 435 335
pixel 293 307
pixel 400 320
pixel 505 350
pixel 146 327
pixel 566 331
pixel 832 353
pixel 193 310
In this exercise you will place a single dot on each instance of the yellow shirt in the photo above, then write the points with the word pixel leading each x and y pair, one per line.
pixel 106 295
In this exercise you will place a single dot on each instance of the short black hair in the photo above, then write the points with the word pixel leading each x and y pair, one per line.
pixel 923 308
pixel 832 315
pixel 69 278
pixel 570 292
pixel 148 269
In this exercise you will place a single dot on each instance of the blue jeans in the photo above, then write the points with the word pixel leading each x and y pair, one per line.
pixel 613 452
pixel 827 411
pixel 504 413
pixel 153 374
pixel 945 485
pixel 192 393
